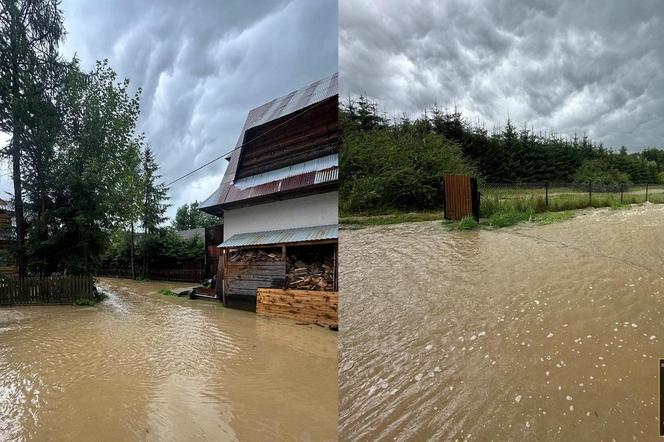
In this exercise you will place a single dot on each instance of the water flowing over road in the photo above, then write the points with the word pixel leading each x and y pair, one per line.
pixel 144 366
pixel 526 333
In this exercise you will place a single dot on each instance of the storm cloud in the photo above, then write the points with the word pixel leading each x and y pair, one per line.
pixel 202 66
pixel 572 66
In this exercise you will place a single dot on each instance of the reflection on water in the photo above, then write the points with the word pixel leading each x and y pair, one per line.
pixel 532 332
pixel 143 366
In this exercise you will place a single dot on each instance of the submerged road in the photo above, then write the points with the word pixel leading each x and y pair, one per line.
pixel 144 366
pixel 524 333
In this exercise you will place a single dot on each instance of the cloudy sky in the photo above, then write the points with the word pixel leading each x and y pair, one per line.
pixel 570 65
pixel 202 66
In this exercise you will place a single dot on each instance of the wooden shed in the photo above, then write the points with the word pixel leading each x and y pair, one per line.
pixel 302 258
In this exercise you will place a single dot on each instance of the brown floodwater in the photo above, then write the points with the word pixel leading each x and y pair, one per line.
pixel 144 366
pixel 526 333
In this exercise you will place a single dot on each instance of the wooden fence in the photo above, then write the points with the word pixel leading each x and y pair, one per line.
pixel 243 278
pixel 185 275
pixel 461 197
pixel 47 290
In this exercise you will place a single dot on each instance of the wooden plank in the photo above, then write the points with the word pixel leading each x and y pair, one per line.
pixel 245 278
pixel 320 307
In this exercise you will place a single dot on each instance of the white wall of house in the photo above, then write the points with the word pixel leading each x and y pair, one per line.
pixel 307 211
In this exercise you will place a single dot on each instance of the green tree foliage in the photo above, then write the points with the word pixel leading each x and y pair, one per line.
pixel 81 171
pixel 173 251
pixel 398 165
pixel 30 32
pixel 188 216
pixel 599 171
pixel 154 194
pixel 81 178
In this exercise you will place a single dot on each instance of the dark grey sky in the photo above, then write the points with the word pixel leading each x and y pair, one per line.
pixel 570 65
pixel 203 65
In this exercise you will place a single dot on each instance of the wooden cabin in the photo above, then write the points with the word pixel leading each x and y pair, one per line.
pixel 279 197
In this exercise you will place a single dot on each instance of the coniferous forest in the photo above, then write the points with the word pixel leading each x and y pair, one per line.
pixel 398 164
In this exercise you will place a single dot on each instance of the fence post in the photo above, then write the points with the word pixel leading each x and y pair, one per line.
pixel 546 194
pixel 590 194
pixel 646 192
pixel 621 193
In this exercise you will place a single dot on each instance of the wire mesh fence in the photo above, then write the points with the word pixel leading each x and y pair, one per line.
pixel 550 196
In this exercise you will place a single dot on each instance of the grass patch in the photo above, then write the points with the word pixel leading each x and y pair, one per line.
pixel 553 217
pixel 466 223
pixel 510 207
pixel 167 292
pixel 98 297
pixel 505 218
pixel 393 218
pixel 619 206
pixel 85 301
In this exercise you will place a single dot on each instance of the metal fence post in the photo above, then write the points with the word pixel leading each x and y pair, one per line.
pixel 546 194
pixel 590 194
pixel 646 192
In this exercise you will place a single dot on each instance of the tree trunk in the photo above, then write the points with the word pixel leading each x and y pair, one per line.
pixel 131 251
pixel 145 254
pixel 17 126
pixel 18 205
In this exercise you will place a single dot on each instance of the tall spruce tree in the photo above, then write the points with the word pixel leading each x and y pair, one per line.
pixel 30 32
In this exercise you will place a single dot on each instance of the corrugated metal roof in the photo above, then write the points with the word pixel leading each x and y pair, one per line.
pixel 316 92
pixel 326 175
pixel 315 165
pixel 302 234
pixel 236 193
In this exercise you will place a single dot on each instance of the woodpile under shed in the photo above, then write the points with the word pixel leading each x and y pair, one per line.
pixel 316 274
pixel 254 255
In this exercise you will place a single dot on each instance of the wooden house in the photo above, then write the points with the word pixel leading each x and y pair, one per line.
pixel 279 197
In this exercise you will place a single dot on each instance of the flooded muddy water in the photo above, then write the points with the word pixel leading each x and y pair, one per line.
pixel 144 366
pixel 526 333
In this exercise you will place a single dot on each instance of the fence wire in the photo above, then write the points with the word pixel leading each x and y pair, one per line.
pixel 551 196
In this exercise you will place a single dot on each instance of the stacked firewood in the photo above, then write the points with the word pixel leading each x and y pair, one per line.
pixel 254 256
pixel 314 275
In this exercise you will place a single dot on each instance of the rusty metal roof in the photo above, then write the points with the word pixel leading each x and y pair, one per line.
pixel 318 171
pixel 317 91
pixel 302 234
pixel 228 191
pixel 315 165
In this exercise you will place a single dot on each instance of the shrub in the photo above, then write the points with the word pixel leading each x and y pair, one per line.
pixel 167 292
